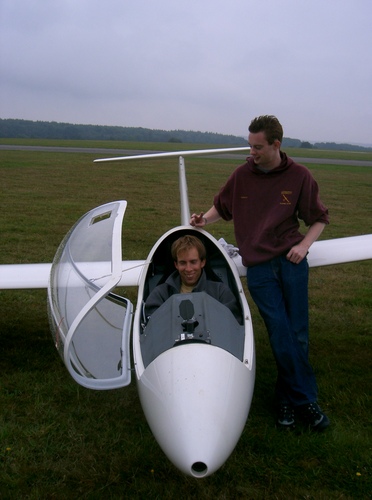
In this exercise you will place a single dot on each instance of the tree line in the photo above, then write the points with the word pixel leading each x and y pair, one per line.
pixel 28 129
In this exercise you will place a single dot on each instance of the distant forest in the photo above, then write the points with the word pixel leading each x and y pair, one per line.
pixel 27 129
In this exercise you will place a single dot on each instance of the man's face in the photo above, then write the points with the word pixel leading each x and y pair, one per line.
pixel 189 266
pixel 264 154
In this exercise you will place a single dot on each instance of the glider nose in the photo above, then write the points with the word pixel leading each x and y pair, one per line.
pixel 199 469
pixel 196 399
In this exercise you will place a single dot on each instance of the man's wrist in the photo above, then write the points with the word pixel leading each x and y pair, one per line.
pixel 205 220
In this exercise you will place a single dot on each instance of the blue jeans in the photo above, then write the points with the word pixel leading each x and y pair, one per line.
pixel 280 291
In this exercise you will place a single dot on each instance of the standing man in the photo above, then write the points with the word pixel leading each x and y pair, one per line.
pixel 265 198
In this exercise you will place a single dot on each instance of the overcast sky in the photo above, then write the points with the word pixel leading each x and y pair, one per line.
pixel 209 65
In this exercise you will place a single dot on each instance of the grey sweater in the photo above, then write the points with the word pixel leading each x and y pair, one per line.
pixel 172 285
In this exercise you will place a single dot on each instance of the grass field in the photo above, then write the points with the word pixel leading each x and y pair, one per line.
pixel 59 440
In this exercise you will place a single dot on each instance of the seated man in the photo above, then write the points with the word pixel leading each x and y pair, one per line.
pixel 189 256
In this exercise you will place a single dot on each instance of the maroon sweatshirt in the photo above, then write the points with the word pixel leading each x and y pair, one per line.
pixel 266 208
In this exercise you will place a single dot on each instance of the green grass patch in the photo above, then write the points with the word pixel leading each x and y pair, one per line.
pixel 59 440
pixel 167 146
pixel 140 145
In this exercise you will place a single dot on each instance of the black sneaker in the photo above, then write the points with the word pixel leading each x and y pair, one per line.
pixel 285 416
pixel 313 417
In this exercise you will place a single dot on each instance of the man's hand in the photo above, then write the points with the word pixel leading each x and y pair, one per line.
pixel 297 253
pixel 198 220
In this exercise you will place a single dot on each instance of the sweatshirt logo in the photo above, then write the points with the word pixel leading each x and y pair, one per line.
pixel 286 195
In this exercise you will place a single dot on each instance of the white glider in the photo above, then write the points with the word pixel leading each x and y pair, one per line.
pixel 194 362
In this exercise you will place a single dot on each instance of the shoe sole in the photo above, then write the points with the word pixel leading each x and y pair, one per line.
pixel 320 426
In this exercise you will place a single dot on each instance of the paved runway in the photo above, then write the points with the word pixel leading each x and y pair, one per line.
pixel 103 153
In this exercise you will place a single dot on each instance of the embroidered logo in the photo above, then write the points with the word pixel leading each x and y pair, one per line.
pixel 286 198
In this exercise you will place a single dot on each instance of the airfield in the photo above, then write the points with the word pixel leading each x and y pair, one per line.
pixel 129 152
pixel 59 440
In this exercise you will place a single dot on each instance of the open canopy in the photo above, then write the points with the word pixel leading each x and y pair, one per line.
pixel 90 324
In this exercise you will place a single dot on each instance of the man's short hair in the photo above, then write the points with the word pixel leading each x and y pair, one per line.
pixel 186 243
pixel 268 124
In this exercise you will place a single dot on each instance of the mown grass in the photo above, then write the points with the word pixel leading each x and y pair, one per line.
pixel 159 146
pixel 58 440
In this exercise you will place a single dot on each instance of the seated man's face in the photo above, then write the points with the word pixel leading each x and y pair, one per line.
pixel 189 266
